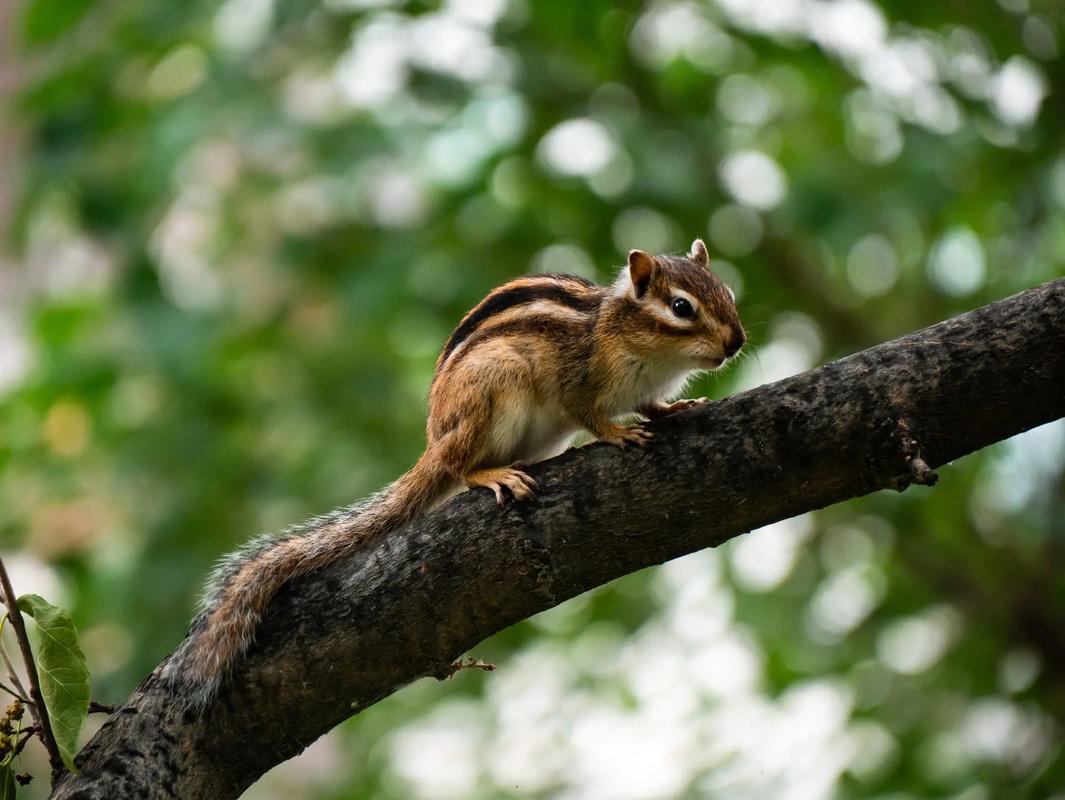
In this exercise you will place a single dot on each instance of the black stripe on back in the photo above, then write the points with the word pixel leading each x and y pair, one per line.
pixel 560 330
pixel 550 289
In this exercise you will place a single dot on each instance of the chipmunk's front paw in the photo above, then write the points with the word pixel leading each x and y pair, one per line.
pixel 659 410
pixel 631 436
pixel 684 405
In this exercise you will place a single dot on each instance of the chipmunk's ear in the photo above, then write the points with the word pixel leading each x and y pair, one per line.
pixel 641 268
pixel 699 253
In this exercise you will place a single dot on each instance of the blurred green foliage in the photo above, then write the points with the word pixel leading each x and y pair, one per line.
pixel 236 235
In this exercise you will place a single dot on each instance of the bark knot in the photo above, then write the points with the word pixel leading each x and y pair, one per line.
pixel 895 459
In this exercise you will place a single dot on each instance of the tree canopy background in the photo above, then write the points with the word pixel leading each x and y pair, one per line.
pixel 236 234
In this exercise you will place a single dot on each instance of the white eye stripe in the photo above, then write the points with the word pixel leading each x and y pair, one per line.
pixel 663 310
pixel 675 293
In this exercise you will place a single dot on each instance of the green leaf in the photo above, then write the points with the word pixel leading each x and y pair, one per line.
pixel 7 782
pixel 47 20
pixel 64 676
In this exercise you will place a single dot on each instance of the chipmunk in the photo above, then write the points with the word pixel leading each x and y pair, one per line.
pixel 539 359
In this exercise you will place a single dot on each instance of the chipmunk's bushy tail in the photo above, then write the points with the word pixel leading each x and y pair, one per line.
pixel 244 583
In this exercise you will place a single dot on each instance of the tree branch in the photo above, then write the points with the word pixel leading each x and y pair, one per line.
pixel 410 603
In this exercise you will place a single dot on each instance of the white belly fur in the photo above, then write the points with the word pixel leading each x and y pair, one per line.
pixel 528 432
pixel 525 432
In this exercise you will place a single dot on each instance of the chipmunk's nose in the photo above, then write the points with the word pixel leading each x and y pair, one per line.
pixel 735 343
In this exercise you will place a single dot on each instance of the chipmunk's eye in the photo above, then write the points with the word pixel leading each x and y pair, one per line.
pixel 682 308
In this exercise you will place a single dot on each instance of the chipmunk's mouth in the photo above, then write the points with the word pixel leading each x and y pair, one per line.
pixel 710 362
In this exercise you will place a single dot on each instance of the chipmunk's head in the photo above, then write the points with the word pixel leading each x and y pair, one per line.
pixel 684 309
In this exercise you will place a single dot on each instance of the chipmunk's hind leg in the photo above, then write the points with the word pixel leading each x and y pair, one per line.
pixel 492 397
pixel 506 437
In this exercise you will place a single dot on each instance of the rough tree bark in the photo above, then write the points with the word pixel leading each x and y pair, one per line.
pixel 413 601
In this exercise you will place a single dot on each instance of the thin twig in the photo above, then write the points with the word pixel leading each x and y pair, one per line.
pixel 29 731
pixel 13 693
pixel 100 708
pixel 12 673
pixel 469 663
pixel 40 712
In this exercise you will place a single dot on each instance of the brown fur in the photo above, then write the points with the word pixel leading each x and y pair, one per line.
pixel 537 360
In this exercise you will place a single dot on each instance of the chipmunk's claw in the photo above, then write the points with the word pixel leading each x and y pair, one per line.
pixel 684 405
pixel 631 436
pixel 520 485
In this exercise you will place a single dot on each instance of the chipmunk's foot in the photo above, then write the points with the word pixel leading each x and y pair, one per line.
pixel 520 484
pixel 659 410
pixel 630 436
pixel 684 405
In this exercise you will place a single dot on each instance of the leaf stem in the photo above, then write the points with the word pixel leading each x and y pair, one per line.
pixel 40 712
